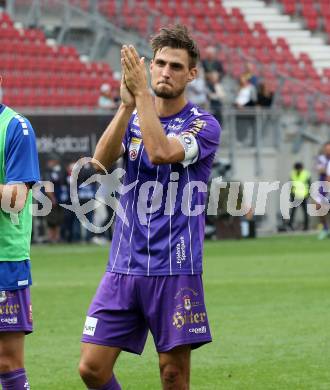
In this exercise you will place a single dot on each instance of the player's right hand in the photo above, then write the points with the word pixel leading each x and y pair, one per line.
pixel 126 96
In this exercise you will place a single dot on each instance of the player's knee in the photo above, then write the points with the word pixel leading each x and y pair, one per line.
pixel 8 365
pixel 89 373
pixel 172 376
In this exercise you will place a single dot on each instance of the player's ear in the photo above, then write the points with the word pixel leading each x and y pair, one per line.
pixel 151 65
pixel 192 74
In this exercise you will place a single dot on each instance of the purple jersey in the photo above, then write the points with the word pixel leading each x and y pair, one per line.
pixel 163 233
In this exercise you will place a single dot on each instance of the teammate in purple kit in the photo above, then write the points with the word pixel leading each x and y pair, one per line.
pixel 323 162
pixel 153 277
pixel 19 170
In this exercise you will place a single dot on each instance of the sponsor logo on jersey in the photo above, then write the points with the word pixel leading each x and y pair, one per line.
pixel 136 132
pixel 134 147
pixel 22 282
pixel 90 326
pixel 189 310
pixel 173 127
pixel 7 309
pixel 202 329
pixel 187 302
pixel 3 296
pixel 180 319
pixel 197 126
pixel 195 111
pixel 181 252
pixel 10 320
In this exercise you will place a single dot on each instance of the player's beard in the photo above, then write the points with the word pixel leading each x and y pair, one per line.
pixel 166 94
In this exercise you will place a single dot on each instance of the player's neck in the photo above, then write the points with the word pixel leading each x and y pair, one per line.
pixel 168 107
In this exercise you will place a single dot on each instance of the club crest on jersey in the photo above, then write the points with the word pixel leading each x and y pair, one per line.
pixel 187 302
pixel 134 147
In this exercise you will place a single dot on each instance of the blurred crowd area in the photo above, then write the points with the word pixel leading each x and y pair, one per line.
pixel 208 90
pixel 63 224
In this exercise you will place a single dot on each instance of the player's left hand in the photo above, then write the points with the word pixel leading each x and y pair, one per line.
pixel 134 70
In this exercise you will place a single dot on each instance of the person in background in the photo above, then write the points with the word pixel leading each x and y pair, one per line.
pixel 301 182
pixel 247 95
pixel 197 90
pixel 216 95
pixel 19 170
pixel 86 193
pixel 264 95
pixel 54 173
pixel 106 101
pixel 211 63
pixel 245 121
pixel 249 74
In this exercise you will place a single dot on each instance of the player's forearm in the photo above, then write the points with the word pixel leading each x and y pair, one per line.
pixel 109 147
pixel 155 141
pixel 13 197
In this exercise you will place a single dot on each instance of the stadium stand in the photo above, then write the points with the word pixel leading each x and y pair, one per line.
pixel 297 82
pixel 37 74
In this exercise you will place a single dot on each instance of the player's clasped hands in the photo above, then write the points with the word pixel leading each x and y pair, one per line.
pixel 134 70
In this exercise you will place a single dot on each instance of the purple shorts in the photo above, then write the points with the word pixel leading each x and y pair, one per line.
pixel 125 307
pixel 16 311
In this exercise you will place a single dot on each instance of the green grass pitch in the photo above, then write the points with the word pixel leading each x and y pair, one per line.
pixel 268 302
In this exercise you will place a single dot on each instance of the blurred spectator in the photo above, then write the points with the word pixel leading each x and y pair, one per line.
pixel 265 95
pixel 245 122
pixel 216 94
pixel 249 74
pixel 86 193
pixel 2 5
pixel 322 166
pixel 246 96
pixel 106 100
pixel 70 231
pixel 104 213
pixel 301 181
pixel 196 90
pixel 54 173
pixel 210 62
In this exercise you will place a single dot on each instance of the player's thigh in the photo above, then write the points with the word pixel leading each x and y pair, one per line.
pixel 98 358
pixel 178 359
pixel 11 350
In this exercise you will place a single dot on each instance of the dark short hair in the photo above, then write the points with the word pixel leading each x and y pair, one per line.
pixel 176 37
pixel 298 166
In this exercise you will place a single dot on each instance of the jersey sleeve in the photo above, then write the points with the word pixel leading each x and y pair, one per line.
pixel 21 156
pixel 206 130
pixel 126 136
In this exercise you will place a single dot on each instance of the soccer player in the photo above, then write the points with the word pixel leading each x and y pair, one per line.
pixel 322 164
pixel 19 170
pixel 153 277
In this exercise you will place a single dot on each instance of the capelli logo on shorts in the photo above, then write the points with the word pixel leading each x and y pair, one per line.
pixel 90 326
pixel 10 320
pixel 202 329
